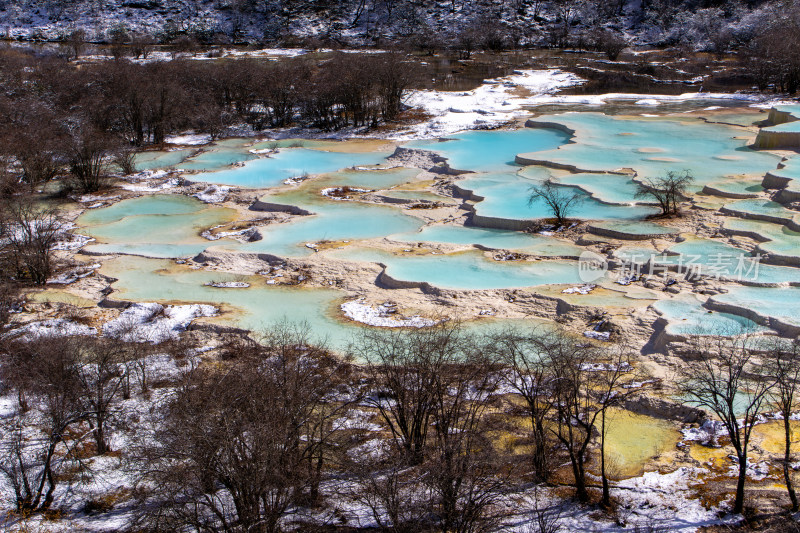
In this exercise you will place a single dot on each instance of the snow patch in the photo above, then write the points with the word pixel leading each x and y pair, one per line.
pixel 490 105
pixel 56 327
pixel 214 194
pixel 583 289
pixel 154 323
pixel 75 242
pixel 366 314
pixel 228 284
pixel 598 335
pixel 74 274
pixel 189 139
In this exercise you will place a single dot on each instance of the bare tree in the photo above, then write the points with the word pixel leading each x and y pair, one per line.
pixel 612 44
pixel 560 202
pixel 76 41
pixel 43 371
pixel 125 159
pixel 530 374
pixel 546 519
pixel 88 159
pixel 611 392
pixel 724 377
pixel 141 45
pixel 403 367
pixel 667 190
pixel 462 468
pixel 784 367
pixel 391 490
pixel 31 231
pixel 101 376
pixel 240 445
pixel 580 399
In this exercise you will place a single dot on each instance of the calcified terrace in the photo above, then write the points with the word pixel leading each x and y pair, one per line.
pixel 394 233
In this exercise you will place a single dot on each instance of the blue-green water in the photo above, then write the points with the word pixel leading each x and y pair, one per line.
pixel 487 151
pixel 288 163
pixel 653 147
pixel 468 270
pixel 687 316
pixel 506 196
pixel 491 238
pixel 153 226
pixel 159 160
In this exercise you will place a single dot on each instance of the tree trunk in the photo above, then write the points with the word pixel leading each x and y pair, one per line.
pixel 540 451
pixel 580 479
pixel 738 504
pixel 786 458
pixel 606 501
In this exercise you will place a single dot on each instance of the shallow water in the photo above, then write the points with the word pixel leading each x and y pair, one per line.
pixel 638 227
pixel 506 196
pixel 254 308
pixel 740 186
pixel 487 151
pixel 332 221
pixel 217 157
pixel 687 316
pixel 782 240
pixel 468 270
pixel 632 440
pixel 153 226
pixel 653 147
pixel 288 163
pixel 373 179
pixel 158 160
pixel 156 204
pixel 491 238
pixel 608 188
pixel 762 206
pixel 777 302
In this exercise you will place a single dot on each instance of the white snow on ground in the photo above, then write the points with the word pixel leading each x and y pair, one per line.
pixel 707 433
pixel 490 105
pixel 75 242
pixel 666 500
pixel 373 449
pixel 228 284
pixel 214 194
pixel 154 323
pixel 243 235
pixel 93 198
pixel 641 99
pixel 583 289
pixel 282 52
pixel 150 181
pixel 356 419
pixel 56 327
pixel 149 187
pixel 597 335
pixel 328 192
pixel 501 100
pixel 189 139
pixel 74 274
pixel 366 314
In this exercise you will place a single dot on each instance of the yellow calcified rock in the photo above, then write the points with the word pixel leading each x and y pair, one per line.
pixel 772 140
pixel 634 440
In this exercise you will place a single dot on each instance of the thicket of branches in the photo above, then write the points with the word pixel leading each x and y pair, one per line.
pixel 265 434
pixel 57 119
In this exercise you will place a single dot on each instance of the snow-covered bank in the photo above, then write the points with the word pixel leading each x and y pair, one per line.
pixel 152 322
pixel 490 105
pixel 214 194
pixel 381 317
